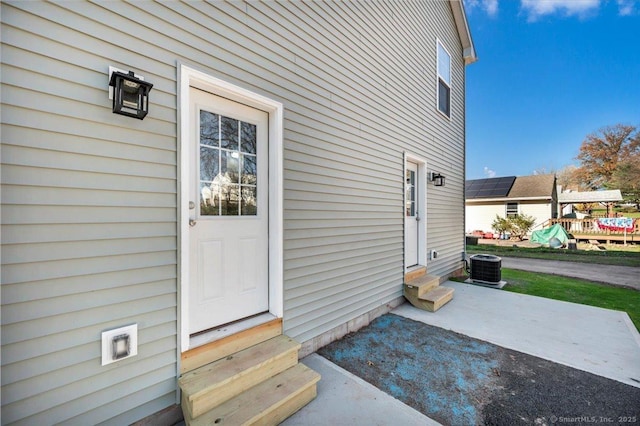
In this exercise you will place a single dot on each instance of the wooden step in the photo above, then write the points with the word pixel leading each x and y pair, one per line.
pixel 437 298
pixel 222 348
pixel 268 403
pixel 431 301
pixel 211 385
pixel 414 273
pixel 423 284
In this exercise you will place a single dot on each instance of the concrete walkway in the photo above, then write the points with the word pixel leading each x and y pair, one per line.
pixel 345 399
pixel 596 340
pixel 624 276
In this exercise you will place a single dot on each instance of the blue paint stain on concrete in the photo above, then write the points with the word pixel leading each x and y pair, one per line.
pixel 443 374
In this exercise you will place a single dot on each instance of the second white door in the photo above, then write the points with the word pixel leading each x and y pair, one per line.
pixel 412 215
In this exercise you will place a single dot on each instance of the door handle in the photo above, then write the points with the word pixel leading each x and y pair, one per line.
pixel 192 222
pixel 417 218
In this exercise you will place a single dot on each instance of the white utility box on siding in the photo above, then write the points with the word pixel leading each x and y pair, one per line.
pixel 119 343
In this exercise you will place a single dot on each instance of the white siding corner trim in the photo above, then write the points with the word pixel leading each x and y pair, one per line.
pixel 190 77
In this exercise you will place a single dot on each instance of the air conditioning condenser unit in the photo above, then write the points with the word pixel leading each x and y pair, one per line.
pixel 486 269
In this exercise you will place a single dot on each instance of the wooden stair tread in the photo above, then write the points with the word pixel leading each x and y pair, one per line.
pixel 415 273
pixel 430 301
pixel 424 284
pixel 269 402
pixel 213 351
pixel 223 369
pixel 437 294
pixel 213 384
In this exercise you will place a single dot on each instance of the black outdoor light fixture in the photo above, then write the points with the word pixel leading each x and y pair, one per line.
pixel 436 178
pixel 130 94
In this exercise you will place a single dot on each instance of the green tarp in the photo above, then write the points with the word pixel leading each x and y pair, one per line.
pixel 544 235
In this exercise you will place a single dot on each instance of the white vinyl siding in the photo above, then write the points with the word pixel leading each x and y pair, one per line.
pixel 89 212
pixel 479 216
pixel 541 211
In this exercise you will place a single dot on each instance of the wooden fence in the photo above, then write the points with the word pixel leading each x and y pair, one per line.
pixel 585 229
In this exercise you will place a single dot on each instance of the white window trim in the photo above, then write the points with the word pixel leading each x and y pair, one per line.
pixel 450 84
pixel 191 77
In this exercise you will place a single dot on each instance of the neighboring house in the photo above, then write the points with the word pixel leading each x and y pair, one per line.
pixel 343 109
pixel 485 199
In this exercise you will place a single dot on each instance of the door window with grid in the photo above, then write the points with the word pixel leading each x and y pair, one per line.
pixel 228 166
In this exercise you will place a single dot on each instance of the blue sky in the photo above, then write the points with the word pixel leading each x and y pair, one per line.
pixel 549 73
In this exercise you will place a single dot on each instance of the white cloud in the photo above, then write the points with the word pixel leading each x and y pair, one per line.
pixel 625 7
pixel 490 7
pixel 489 173
pixel 537 8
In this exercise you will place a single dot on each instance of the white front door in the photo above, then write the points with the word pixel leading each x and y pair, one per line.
pixel 228 211
pixel 412 216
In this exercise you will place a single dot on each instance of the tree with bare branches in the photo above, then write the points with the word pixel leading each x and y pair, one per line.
pixel 566 177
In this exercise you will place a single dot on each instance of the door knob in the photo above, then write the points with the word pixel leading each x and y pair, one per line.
pixel 192 222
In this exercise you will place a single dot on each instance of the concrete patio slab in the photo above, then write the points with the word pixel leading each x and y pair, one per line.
pixel 345 399
pixel 596 340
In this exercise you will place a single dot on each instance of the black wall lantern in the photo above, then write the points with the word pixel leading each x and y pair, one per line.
pixel 130 94
pixel 436 178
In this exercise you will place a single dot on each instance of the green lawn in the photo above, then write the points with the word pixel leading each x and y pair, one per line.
pixel 618 255
pixel 574 290
pixel 603 212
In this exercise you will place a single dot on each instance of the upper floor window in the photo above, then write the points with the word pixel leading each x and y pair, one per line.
pixel 512 209
pixel 444 80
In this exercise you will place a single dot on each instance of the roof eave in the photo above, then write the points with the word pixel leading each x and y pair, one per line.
pixel 468 50
pixel 608 196
pixel 507 199
pixel 587 201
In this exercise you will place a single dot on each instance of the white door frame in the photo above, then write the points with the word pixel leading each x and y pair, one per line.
pixel 421 204
pixel 191 77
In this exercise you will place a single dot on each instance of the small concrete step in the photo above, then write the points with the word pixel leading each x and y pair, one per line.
pixel 268 403
pixel 414 273
pixel 437 298
pixel 423 284
pixel 211 385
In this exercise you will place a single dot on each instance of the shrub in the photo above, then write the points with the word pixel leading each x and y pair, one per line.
pixel 518 226
pixel 501 225
pixel 521 225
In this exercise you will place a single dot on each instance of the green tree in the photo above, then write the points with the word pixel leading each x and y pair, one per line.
pixel 626 177
pixel 601 153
